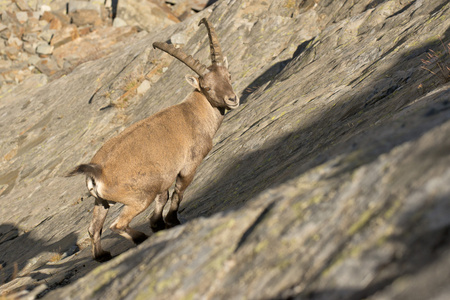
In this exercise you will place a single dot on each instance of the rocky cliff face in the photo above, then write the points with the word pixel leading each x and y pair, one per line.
pixel 329 182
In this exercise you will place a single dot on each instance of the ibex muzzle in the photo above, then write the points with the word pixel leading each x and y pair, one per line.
pixel 140 164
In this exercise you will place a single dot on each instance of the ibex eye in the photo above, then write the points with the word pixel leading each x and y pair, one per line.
pixel 207 89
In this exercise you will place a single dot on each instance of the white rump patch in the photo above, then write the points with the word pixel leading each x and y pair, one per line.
pixel 94 187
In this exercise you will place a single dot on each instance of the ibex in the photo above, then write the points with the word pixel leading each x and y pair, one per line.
pixel 141 163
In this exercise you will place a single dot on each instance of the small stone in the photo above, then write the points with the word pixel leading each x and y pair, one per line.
pixel 33 25
pixel 23 57
pixel 46 36
pixel 30 48
pixel 43 23
pixel 65 19
pixel 44 49
pixel 45 8
pixel 143 87
pixel 30 37
pixel 36 15
pixel 84 30
pixel 33 60
pixel 13 41
pixel 118 22
pixel 178 38
pixel 66 65
pixel 12 52
pixel 76 5
pixel 55 24
pixel 22 16
pixel 47 66
pixel 65 35
pixel 181 10
pixel 47 16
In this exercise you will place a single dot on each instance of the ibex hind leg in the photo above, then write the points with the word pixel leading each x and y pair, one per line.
pixel 181 184
pixel 156 220
pixel 131 210
pixel 95 230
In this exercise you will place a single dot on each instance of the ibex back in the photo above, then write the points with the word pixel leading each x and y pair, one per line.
pixel 141 164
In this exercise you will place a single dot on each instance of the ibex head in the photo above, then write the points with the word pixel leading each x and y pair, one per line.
pixel 213 81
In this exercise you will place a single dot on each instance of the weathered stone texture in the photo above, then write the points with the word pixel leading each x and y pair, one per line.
pixel 329 182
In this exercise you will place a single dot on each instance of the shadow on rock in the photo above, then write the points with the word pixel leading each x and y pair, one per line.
pixel 20 254
pixel 350 126
pixel 271 73
pixel 349 136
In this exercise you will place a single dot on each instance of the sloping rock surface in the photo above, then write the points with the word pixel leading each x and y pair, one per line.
pixel 330 181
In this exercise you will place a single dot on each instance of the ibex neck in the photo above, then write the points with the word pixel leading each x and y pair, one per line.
pixel 210 117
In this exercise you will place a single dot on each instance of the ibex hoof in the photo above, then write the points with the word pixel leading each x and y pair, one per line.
pixel 173 223
pixel 171 220
pixel 103 256
pixel 139 238
pixel 158 226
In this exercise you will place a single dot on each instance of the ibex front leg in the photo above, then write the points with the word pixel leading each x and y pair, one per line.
pixel 95 230
pixel 181 184
pixel 156 220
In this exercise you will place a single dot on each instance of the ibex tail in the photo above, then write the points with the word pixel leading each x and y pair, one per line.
pixel 92 170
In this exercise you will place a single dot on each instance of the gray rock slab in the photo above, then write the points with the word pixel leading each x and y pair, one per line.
pixel 330 181
pixel 44 48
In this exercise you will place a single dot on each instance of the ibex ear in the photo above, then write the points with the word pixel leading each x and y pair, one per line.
pixel 225 62
pixel 192 80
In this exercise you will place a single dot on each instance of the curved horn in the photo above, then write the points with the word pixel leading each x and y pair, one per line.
pixel 216 52
pixel 188 60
